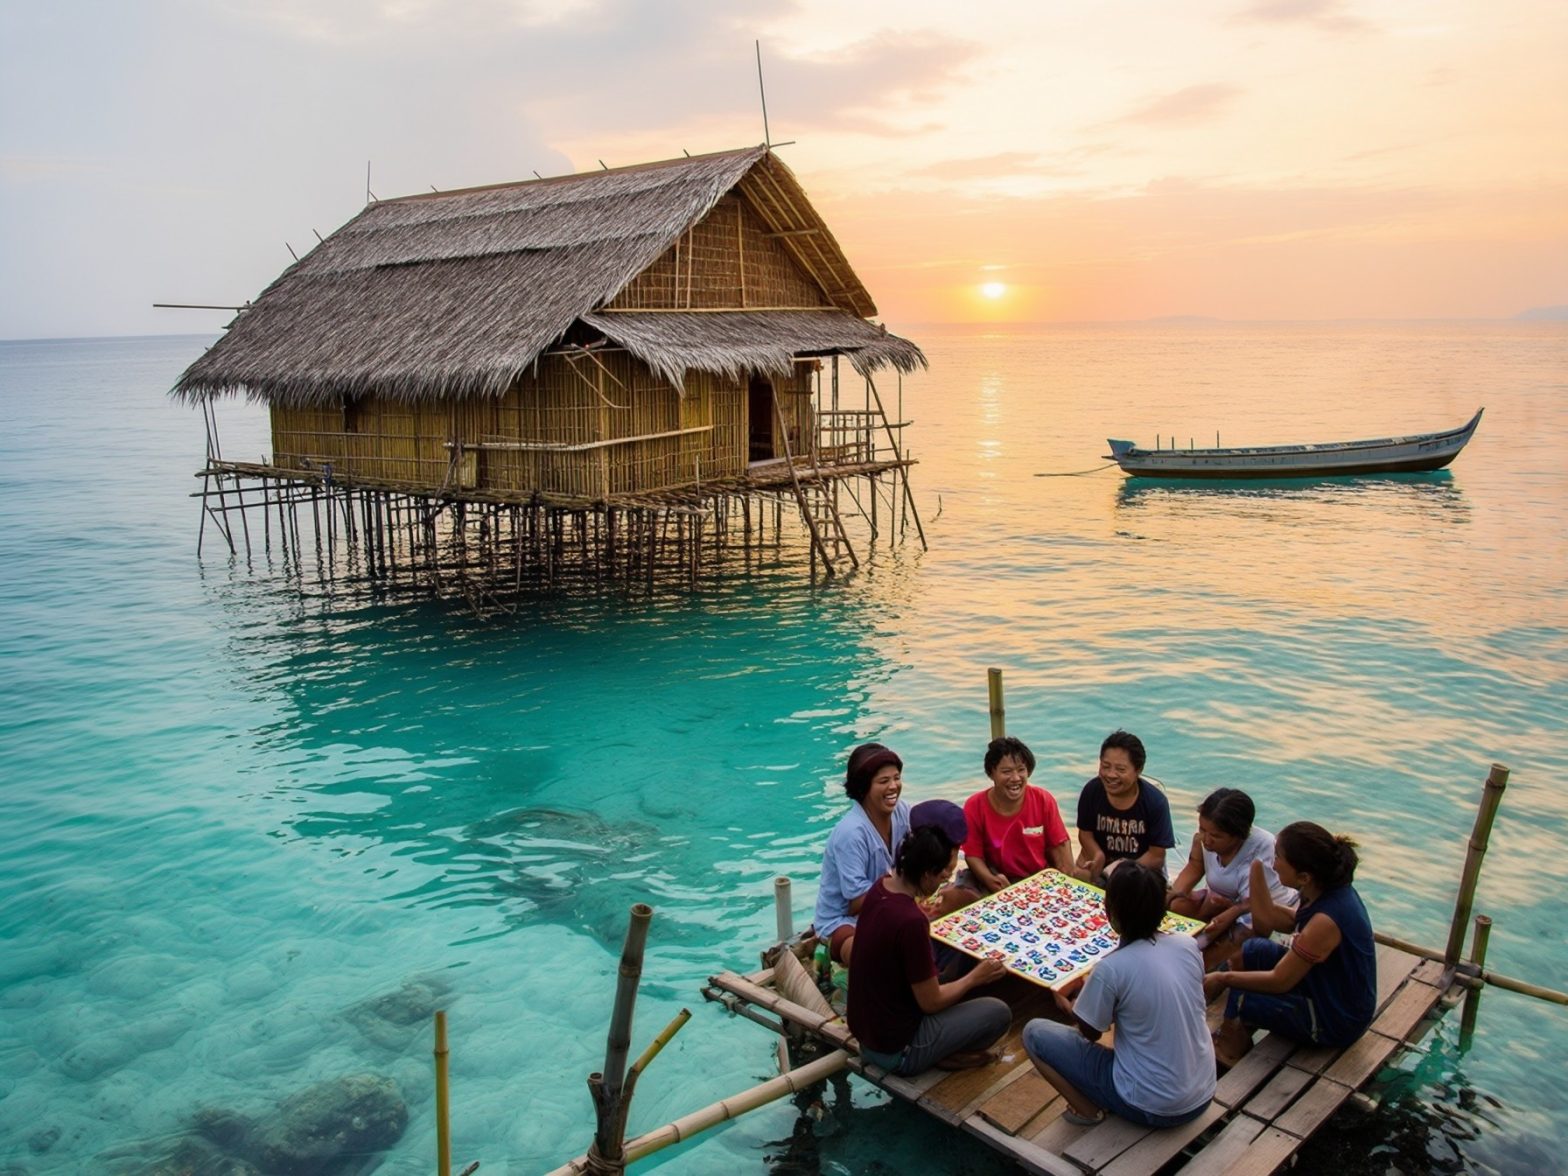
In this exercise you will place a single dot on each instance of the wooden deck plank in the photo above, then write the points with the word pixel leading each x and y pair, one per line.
pixel 1265 1154
pixel 1361 1060
pixel 1225 1149
pixel 960 1087
pixel 1021 1101
pixel 1278 1094
pixel 1001 1080
pixel 1158 1147
pixel 1098 1146
pixel 1058 1134
pixel 1039 1121
pixel 1313 1058
pixel 1430 972
pixel 1406 1011
pixel 1253 1070
pixel 1309 1112
pixel 910 1088
pixel 1029 1156
pixel 1393 968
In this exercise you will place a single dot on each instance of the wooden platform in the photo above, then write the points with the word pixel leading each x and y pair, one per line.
pixel 1262 1111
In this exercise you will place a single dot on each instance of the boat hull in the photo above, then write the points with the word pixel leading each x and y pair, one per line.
pixel 1392 455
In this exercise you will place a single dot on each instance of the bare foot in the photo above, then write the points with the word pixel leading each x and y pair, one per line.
pixel 967 1059
pixel 1231 1043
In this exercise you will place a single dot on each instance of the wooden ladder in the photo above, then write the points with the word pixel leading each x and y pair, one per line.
pixel 818 507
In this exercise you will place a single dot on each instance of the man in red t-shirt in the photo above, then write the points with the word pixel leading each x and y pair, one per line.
pixel 1015 828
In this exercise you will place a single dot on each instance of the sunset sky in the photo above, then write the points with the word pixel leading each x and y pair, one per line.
pixel 1051 160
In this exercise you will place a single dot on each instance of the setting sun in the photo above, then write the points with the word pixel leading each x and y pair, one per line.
pixel 993 290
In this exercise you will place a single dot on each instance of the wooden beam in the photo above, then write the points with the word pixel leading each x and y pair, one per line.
pixel 562 447
pixel 705 309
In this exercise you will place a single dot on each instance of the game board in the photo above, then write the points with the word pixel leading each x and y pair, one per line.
pixel 1048 928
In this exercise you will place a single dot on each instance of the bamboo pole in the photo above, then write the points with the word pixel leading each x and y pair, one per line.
pixel 1524 987
pixel 1495 979
pixel 606 1086
pixel 1478 941
pixel 443 1101
pixel 677 1022
pixel 1491 798
pixel 722 1111
pixel 729 1108
pixel 781 908
pixel 998 709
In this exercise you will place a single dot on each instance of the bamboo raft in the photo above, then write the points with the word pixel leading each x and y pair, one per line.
pixel 1263 1110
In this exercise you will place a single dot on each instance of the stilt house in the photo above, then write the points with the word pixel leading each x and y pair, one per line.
pixel 654 334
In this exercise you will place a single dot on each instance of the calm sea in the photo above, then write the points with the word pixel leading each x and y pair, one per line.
pixel 236 816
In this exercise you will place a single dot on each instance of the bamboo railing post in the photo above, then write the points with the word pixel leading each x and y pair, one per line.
pixel 998 710
pixel 443 1101
pixel 606 1087
pixel 1491 798
pixel 781 909
pixel 1483 932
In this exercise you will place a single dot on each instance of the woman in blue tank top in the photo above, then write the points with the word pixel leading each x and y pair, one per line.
pixel 1322 988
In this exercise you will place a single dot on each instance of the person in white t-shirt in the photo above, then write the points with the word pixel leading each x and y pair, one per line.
pixel 1160 1072
pixel 1223 850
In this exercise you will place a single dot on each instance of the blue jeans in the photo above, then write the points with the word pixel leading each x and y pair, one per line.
pixel 1089 1066
pixel 1290 1014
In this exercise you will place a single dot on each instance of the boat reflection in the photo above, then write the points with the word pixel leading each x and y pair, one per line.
pixel 1434 491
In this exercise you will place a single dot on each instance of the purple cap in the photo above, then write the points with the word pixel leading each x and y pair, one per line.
pixel 943 815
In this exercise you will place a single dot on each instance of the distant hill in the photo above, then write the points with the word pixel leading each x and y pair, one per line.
pixel 1543 314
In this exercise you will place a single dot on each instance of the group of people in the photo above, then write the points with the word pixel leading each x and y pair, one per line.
pixel 890 869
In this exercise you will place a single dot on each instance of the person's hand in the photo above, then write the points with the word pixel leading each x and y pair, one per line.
pixel 1063 1001
pixel 1214 984
pixel 987 970
pixel 1221 923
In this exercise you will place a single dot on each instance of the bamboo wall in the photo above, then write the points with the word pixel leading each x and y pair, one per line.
pixel 725 262
pixel 570 402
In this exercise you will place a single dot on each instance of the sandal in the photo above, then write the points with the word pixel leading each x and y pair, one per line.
pixel 1078 1120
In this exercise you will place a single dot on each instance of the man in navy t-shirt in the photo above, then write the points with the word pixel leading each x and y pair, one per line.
pixel 1121 816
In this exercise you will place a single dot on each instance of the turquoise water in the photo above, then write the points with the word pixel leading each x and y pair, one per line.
pixel 235 812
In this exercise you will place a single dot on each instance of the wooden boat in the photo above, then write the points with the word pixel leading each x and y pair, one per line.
pixel 1421 451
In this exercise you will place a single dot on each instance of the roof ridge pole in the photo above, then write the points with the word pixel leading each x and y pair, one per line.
pixel 767 139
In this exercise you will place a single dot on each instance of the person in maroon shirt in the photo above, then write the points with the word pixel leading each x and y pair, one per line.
pixel 905 1017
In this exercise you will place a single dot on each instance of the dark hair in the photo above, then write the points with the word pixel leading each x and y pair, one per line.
pixel 1129 743
pixel 1312 849
pixel 1135 901
pixel 923 851
pixel 1231 809
pixel 999 749
pixel 864 762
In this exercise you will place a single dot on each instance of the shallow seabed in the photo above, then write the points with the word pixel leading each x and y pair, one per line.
pixel 238 815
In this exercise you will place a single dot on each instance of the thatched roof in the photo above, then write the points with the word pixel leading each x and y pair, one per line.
pixel 456 293
pixel 760 340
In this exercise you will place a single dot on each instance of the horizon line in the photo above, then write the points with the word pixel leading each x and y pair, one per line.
pixel 1151 320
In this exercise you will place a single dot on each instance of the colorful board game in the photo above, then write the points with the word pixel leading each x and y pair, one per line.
pixel 1048 928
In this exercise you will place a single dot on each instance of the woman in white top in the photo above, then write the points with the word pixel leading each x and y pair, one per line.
pixel 1223 850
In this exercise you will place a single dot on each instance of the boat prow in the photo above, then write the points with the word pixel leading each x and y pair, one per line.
pixel 1385 455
